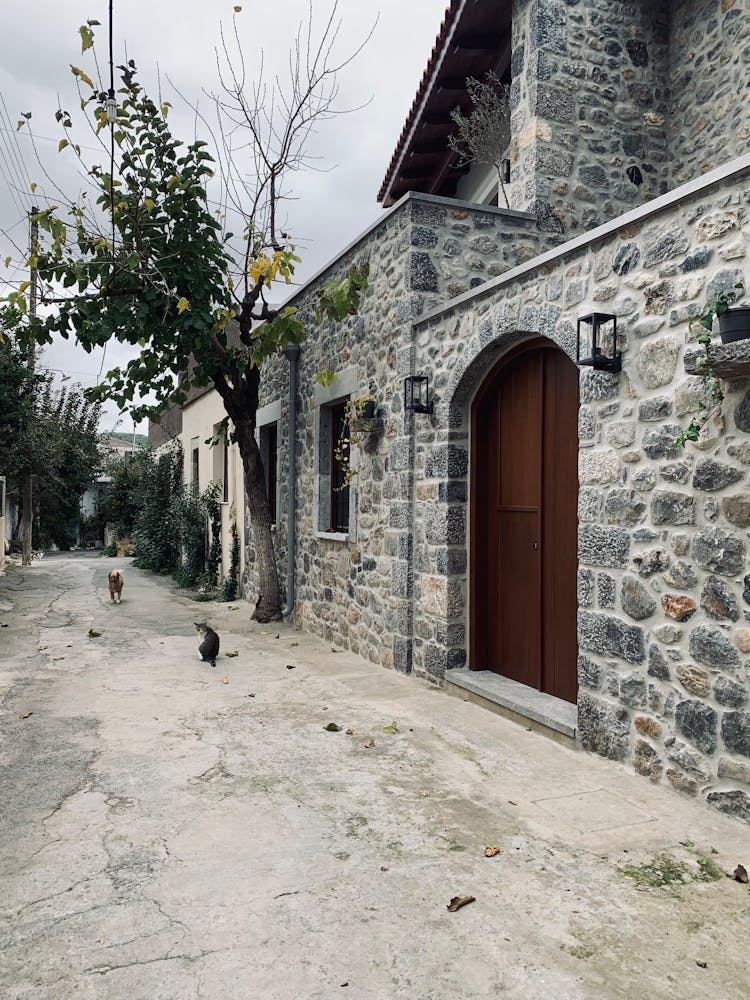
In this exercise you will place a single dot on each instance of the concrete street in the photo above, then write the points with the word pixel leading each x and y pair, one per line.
pixel 169 830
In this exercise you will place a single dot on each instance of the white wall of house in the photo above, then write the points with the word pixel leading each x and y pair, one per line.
pixel 200 420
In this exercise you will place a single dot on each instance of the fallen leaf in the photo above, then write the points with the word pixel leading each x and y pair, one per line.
pixel 332 728
pixel 251 695
pixel 225 680
pixel 92 635
pixel 56 658
pixel 231 652
pixel 424 795
pixel 458 901
pixel 383 868
pixel 687 843
pixel 100 940
pixel 41 648
pixel 702 965
pixel 294 644
pixel 264 631
pixel 512 803
pixel 369 745
pixel 350 732
pixel 25 715
pixel 740 874
pixel 490 852
pixel 290 666
pixel 233 607
pixel 393 728
pixel 277 636
pixel 4 625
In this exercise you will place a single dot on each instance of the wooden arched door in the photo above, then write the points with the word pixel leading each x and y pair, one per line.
pixel 524 520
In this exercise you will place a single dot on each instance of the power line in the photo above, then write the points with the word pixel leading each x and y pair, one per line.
pixel 18 155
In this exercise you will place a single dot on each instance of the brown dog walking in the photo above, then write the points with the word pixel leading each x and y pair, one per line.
pixel 115 585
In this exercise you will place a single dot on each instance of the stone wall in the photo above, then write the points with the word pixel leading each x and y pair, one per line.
pixel 709 120
pixel 590 102
pixel 664 598
pixel 358 591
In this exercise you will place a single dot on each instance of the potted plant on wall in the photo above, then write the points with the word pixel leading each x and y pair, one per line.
pixel 360 417
pixel 734 325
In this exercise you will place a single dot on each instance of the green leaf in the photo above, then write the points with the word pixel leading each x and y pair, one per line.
pixel 87 36
pixel 392 729
pixel 332 728
pixel 133 260
pixel 62 144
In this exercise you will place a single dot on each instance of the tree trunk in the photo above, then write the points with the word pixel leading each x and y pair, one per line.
pixel 268 608
pixel 26 520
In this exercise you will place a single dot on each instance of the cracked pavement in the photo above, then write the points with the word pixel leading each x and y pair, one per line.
pixel 168 836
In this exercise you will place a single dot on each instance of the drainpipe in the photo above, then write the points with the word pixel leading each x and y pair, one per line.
pixel 292 353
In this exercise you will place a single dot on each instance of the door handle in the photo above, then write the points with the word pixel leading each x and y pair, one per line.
pixel 535 546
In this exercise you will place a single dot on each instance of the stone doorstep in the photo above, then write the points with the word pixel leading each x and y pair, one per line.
pixel 523 704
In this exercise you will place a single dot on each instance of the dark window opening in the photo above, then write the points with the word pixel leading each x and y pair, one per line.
pixel 269 453
pixel 195 466
pixel 226 471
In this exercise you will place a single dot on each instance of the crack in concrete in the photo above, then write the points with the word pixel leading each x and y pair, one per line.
pixel 63 892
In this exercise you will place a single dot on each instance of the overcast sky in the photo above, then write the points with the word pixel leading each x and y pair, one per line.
pixel 39 41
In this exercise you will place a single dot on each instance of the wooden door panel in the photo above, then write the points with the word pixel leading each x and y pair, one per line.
pixel 560 527
pixel 519 637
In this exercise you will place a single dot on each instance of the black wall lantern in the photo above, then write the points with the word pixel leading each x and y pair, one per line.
pixel 417 394
pixel 597 342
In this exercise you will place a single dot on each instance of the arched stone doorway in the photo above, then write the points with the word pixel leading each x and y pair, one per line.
pixel 524 498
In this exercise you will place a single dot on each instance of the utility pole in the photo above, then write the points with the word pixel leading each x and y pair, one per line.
pixel 28 490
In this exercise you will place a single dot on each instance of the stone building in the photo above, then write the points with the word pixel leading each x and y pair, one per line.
pixel 537 539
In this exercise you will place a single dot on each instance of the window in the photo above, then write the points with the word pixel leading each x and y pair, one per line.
pixel 220 457
pixel 339 466
pixel 335 500
pixel 225 494
pixel 194 464
pixel 269 453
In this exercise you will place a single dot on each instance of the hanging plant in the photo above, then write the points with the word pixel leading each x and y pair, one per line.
pixel 712 394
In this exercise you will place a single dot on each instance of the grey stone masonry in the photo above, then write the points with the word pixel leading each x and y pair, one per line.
pixel 663 581
pixel 358 589
pixel 615 103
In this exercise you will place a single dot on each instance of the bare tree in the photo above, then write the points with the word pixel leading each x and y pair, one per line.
pixel 484 134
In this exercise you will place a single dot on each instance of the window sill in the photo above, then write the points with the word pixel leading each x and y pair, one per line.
pixel 334 536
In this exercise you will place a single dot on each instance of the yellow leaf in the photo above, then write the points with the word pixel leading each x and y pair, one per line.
pixel 224 680
pixel 149 203
pixel 33 187
pixel 237 10
pixel 182 305
pixel 7 261
pixel 231 652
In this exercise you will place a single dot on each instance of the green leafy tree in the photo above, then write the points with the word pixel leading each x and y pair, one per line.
pixel 67 447
pixel 148 264
pixel 48 434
